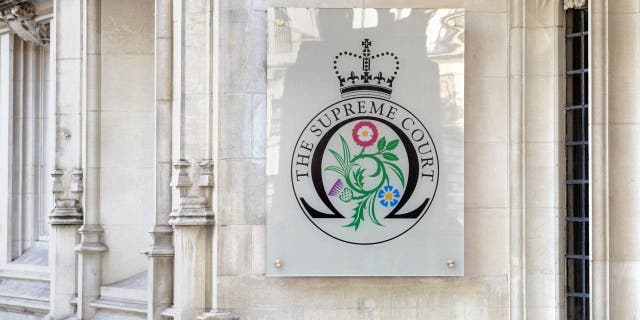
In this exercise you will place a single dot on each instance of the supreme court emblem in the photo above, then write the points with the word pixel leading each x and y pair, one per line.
pixel 365 169
pixel 364 146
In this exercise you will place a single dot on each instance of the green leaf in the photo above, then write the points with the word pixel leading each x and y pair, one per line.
pixel 346 153
pixel 358 177
pixel 390 156
pixel 335 169
pixel 392 145
pixel 338 158
pixel 382 143
pixel 372 214
pixel 358 216
pixel 396 170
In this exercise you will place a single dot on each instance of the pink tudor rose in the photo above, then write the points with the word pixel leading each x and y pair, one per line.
pixel 365 133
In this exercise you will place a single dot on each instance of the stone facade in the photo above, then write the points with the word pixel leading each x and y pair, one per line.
pixel 147 121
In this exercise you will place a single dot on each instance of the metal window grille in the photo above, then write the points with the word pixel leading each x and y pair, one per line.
pixel 577 148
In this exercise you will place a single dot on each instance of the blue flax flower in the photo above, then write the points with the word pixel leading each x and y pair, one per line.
pixel 388 196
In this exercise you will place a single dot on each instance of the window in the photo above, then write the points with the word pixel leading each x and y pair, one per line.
pixel 24 123
pixel 577 174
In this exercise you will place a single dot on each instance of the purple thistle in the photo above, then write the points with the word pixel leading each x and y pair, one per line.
pixel 336 188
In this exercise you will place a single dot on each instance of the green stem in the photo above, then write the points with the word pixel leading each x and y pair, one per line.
pixel 347 178
pixel 379 163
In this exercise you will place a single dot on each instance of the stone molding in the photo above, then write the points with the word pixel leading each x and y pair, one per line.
pixel 76 181
pixel 206 173
pixel 19 16
pixel 575 4
pixel 162 246
pixel 599 147
pixel 193 210
pixel 67 208
pixel 218 315
pixel 90 239
pixel 181 180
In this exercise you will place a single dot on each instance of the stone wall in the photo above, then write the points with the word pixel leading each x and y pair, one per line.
pixel 483 293
pixel 210 104
pixel 127 137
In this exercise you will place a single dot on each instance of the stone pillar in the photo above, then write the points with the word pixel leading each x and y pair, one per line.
pixel 67 175
pixel 535 141
pixel 192 217
pixel 29 232
pixel 90 249
pixel 598 158
pixel 624 159
pixel 194 115
pixel 516 167
pixel 192 224
pixel 6 143
pixel 160 270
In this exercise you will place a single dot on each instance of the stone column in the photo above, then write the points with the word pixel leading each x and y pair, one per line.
pixel 192 223
pixel 6 144
pixel 90 248
pixel 29 232
pixel 624 159
pixel 598 157
pixel 67 174
pixel 192 217
pixel 535 144
pixel 16 216
pixel 516 165
pixel 160 270
pixel 193 231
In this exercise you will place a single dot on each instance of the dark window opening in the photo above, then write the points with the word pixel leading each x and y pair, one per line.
pixel 577 174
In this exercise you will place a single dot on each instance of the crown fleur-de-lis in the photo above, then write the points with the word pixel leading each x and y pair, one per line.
pixel 379 77
pixel 364 82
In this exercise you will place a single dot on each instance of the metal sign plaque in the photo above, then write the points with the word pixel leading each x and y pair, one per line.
pixel 365 145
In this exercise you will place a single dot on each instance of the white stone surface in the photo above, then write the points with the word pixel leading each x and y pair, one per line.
pixel 127 143
pixel 512 198
pixel 486 157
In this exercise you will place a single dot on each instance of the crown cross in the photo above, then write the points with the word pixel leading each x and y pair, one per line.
pixel 361 82
pixel 366 60
pixel 365 77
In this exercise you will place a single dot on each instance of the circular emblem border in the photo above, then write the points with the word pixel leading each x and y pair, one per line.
pixel 435 190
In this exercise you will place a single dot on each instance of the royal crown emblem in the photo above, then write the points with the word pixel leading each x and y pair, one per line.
pixel 366 73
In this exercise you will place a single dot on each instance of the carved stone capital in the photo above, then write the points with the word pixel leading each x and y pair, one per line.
pixel 575 4
pixel 76 181
pixel 66 211
pixel 181 179
pixel 90 240
pixel 193 211
pixel 206 173
pixel 19 16
pixel 162 244
pixel 57 186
